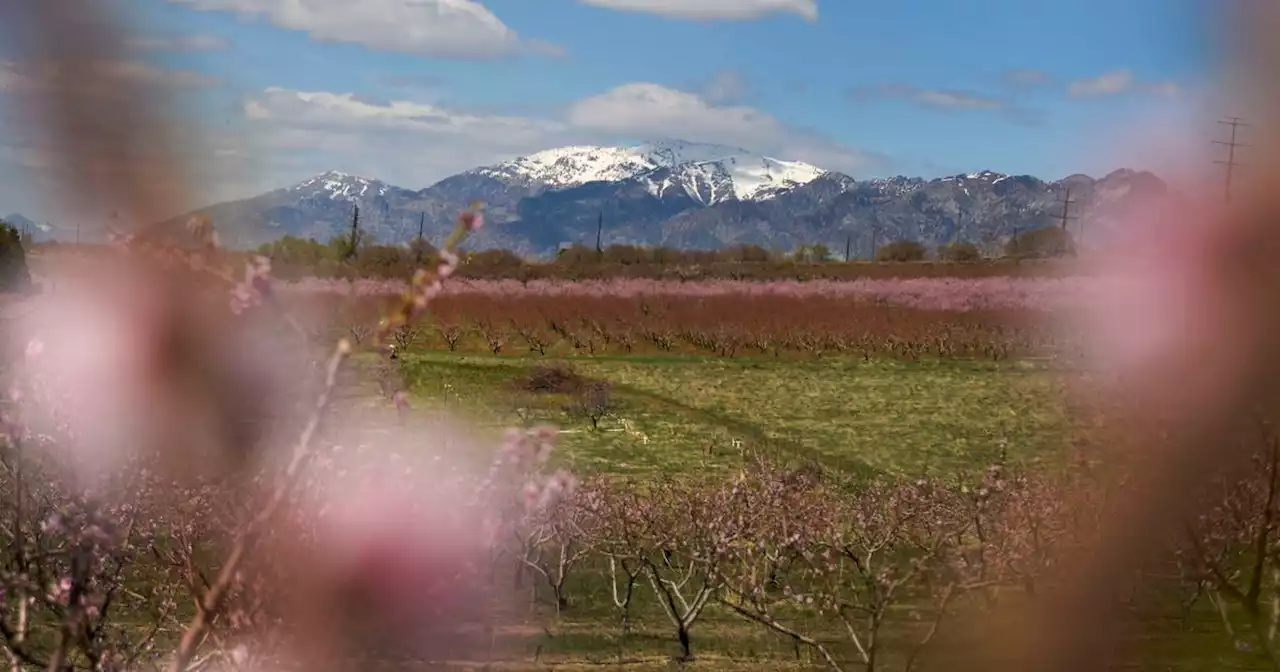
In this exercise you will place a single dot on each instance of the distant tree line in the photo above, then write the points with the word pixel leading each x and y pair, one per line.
pixel 355 254
pixel 348 256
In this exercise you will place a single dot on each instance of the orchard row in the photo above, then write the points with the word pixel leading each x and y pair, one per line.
pixel 950 294
pixel 722 326
pixel 293 259
pixel 868 575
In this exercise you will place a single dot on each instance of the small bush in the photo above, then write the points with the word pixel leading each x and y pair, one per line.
pixel 748 253
pixel 901 250
pixel 813 254
pixel 624 255
pixel 593 403
pixel 493 260
pixel 1044 243
pixel 552 379
pixel 14 275
pixel 959 253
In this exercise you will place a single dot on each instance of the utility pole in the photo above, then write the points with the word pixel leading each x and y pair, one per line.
pixel 1066 217
pixel 955 234
pixel 350 252
pixel 875 236
pixel 417 247
pixel 1235 123
pixel 848 245
pixel 77 232
pixel 1066 209
pixel 599 231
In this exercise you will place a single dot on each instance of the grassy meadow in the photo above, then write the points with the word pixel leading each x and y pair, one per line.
pixel 689 414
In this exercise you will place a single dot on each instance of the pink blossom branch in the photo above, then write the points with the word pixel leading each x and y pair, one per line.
pixel 415 301
pixel 210 603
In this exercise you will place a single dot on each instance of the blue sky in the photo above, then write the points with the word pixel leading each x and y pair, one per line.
pixel 411 91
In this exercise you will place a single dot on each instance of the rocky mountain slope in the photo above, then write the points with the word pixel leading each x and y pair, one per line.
pixel 684 195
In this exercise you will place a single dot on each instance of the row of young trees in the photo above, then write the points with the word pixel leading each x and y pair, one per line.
pixel 864 575
pixel 296 257
pixel 721 326
pixel 868 575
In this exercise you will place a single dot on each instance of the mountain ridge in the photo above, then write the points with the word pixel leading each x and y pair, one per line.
pixel 682 194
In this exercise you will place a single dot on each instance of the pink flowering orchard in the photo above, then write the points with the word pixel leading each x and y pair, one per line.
pixel 950 294
pixel 193 479
pixel 121 460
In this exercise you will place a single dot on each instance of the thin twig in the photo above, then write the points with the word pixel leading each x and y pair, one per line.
pixel 212 599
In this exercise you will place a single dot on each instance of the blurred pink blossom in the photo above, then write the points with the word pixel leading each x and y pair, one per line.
pixel 960 294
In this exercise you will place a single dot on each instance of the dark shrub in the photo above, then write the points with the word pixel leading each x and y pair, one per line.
pixel 593 403
pixel 14 275
pixel 1043 243
pixel 959 253
pixel 551 379
pixel 901 250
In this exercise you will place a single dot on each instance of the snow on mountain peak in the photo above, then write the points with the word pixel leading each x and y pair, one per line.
pixel 342 186
pixel 708 173
pixel 983 175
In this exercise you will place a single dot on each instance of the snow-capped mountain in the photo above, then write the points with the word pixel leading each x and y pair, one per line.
pixel 338 185
pixel 684 194
pixel 708 173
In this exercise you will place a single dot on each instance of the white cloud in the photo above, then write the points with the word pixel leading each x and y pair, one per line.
pixel 713 9
pixel 651 110
pixel 938 99
pixel 344 111
pixel 414 144
pixel 1106 84
pixel 446 28
pixel 1117 82
pixel 178 43
pixel 287 135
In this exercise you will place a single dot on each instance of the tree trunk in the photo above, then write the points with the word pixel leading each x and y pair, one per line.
pixel 686 648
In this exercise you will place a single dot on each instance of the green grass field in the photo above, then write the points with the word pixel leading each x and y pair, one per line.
pixel 846 414
pixel 944 417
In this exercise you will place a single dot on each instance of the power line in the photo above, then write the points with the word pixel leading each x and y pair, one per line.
pixel 1235 123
